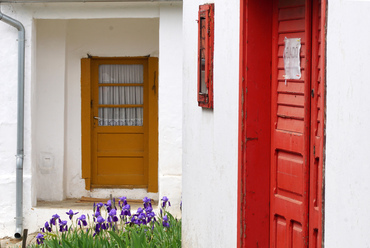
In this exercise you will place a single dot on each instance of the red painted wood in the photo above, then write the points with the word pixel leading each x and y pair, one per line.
pixel 290 130
pixel 317 122
pixel 295 185
pixel 254 123
pixel 205 52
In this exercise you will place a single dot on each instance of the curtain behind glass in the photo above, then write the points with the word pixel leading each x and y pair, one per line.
pixel 121 95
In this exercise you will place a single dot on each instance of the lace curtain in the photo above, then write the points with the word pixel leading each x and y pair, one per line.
pixel 120 95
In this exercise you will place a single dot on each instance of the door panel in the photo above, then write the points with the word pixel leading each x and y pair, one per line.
pixel 120 122
pixel 290 117
pixel 119 103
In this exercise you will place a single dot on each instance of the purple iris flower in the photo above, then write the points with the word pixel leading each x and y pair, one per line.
pixel 100 225
pixel 40 238
pixel 165 200
pixel 122 201
pixel 147 202
pixel 135 220
pixel 47 227
pixel 100 219
pixel 126 210
pixel 63 226
pixel 108 205
pixel 53 219
pixel 112 216
pixel 96 215
pixel 165 222
pixel 71 213
pixel 82 219
pixel 139 211
pixel 99 206
pixel 150 216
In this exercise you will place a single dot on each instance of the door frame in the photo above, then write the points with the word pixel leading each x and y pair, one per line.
pixel 254 125
pixel 87 116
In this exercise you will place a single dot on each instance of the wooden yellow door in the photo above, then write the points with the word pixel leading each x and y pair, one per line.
pixel 119 123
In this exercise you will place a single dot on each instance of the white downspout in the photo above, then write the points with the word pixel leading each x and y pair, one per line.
pixel 20 123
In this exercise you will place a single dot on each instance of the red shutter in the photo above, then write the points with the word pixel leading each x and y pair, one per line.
pixel 290 135
pixel 205 55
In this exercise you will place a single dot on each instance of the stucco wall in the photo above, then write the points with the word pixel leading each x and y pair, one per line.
pixel 170 105
pixel 8 120
pixel 347 184
pixel 210 137
pixel 58 36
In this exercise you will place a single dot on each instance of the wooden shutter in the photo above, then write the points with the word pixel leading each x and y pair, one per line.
pixel 205 55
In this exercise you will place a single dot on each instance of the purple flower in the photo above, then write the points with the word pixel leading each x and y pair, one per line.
pixel 112 216
pixel 150 216
pixel 96 215
pixel 47 227
pixel 126 210
pixel 165 221
pixel 100 225
pixel 99 206
pixel 82 219
pixel 165 200
pixel 63 226
pixel 135 220
pixel 139 211
pixel 108 205
pixel 100 219
pixel 71 213
pixel 40 238
pixel 53 219
pixel 148 209
pixel 147 202
pixel 122 201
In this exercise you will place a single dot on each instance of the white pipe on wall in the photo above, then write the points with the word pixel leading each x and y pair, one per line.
pixel 20 122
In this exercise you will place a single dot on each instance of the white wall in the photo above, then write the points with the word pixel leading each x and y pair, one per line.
pixel 170 104
pixel 210 137
pixel 50 109
pixel 61 34
pixel 347 166
pixel 8 120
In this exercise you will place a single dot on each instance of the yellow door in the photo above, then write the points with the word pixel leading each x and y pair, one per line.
pixel 119 123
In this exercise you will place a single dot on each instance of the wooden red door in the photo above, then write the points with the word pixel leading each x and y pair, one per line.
pixel 290 134
pixel 289 125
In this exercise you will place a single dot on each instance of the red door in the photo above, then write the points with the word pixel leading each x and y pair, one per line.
pixel 280 194
pixel 290 134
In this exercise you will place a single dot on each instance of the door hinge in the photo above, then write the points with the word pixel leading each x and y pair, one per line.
pixel 312 93
pixel 314 151
pixel 91 103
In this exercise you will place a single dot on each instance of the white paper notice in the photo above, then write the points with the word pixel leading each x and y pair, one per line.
pixel 292 62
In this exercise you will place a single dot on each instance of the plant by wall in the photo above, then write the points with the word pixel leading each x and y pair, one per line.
pixel 113 225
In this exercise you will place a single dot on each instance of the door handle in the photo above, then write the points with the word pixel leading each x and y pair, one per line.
pixel 96 117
